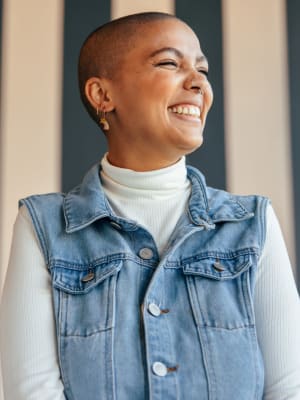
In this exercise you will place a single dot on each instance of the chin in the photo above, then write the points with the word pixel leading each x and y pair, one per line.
pixel 194 141
pixel 191 147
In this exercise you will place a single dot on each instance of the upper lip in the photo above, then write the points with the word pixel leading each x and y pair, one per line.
pixel 187 103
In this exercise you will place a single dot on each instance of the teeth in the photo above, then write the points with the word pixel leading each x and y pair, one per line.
pixel 186 110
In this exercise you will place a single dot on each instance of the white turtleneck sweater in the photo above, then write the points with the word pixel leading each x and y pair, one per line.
pixel 155 199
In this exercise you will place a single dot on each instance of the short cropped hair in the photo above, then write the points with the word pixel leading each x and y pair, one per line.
pixel 102 51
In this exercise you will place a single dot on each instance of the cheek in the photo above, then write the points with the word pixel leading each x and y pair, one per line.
pixel 208 95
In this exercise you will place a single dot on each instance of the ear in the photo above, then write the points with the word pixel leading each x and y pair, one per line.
pixel 97 91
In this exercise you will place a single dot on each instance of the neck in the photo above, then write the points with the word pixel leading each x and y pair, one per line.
pixel 142 165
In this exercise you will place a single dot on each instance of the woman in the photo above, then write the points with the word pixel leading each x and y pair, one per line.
pixel 142 282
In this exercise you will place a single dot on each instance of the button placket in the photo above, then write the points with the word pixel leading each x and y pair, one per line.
pixel 160 352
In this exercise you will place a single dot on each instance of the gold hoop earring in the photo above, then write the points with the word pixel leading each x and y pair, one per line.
pixel 103 121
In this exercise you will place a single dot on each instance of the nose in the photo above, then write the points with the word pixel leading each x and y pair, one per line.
pixel 194 82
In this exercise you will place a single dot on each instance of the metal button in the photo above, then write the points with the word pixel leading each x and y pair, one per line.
pixel 218 266
pixel 146 253
pixel 154 309
pixel 115 225
pixel 90 276
pixel 159 369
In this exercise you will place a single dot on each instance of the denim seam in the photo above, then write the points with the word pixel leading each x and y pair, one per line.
pixel 38 229
pixel 218 277
pixel 193 298
pixel 245 294
pixel 262 214
pixel 195 177
pixel 61 350
pixel 254 340
pixel 213 254
pixel 56 262
pixel 170 338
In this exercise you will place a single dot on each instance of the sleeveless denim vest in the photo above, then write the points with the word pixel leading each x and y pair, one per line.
pixel 132 325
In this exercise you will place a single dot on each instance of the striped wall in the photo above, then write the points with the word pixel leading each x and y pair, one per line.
pixel 1 391
pixel 252 136
pixel 47 140
pixel 0 118
pixel 205 17
pixel 82 142
pixel 258 148
pixel 30 106
pixel 293 18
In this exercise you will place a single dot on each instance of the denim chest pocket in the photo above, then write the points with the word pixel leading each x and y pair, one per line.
pixel 84 297
pixel 219 290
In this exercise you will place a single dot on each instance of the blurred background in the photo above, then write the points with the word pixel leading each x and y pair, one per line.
pixel 47 141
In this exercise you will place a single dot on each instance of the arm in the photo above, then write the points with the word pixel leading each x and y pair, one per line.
pixel 27 328
pixel 277 311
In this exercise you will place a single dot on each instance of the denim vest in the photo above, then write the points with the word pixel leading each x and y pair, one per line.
pixel 132 325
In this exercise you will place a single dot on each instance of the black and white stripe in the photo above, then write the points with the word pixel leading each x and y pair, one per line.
pixel 293 17
pixel 70 145
pixel 205 17
pixel 82 142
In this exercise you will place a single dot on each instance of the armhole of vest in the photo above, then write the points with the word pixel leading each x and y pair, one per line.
pixel 37 226
pixel 264 202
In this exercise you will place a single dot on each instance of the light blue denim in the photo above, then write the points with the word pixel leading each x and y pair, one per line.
pixel 134 326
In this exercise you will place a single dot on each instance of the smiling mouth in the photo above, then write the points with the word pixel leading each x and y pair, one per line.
pixel 189 110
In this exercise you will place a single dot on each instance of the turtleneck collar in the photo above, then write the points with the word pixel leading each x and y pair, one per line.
pixel 172 177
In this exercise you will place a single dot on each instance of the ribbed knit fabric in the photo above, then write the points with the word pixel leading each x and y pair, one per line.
pixel 155 199
pixel 27 327
pixel 277 312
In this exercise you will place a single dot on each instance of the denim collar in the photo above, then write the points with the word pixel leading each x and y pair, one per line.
pixel 87 203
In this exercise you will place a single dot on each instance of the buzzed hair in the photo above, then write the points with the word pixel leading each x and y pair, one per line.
pixel 102 51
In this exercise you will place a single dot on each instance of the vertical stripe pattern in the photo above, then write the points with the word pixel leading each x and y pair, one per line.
pixel 121 7
pixel 257 135
pixel 206 19
pixel 82 141
pixel 47 140
pixel 1 233
pixel 31 106
pixel 293 18
pixel 256 105
pixel 1 249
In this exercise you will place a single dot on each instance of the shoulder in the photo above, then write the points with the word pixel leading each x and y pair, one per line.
pixel 47 199
pixel 44 207
pixel 216 196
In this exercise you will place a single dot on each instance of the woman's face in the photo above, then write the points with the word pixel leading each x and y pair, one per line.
pixel 159 112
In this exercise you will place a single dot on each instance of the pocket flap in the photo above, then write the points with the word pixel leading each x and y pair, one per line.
pixel 218 267
pixel 82 279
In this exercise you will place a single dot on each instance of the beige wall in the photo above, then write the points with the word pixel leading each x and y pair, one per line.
pixel 256 105
pixel 31 99
pixel 30 114
pixel 121 7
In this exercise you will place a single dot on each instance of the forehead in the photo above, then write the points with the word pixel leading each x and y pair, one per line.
pixel 163 34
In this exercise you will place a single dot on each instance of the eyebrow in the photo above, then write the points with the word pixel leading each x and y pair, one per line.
pixel 177 53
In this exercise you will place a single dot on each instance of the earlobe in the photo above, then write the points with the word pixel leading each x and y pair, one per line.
pixel 98 94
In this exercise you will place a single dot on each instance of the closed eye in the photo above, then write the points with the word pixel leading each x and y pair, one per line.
pixel 203 71
pixel 167 63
